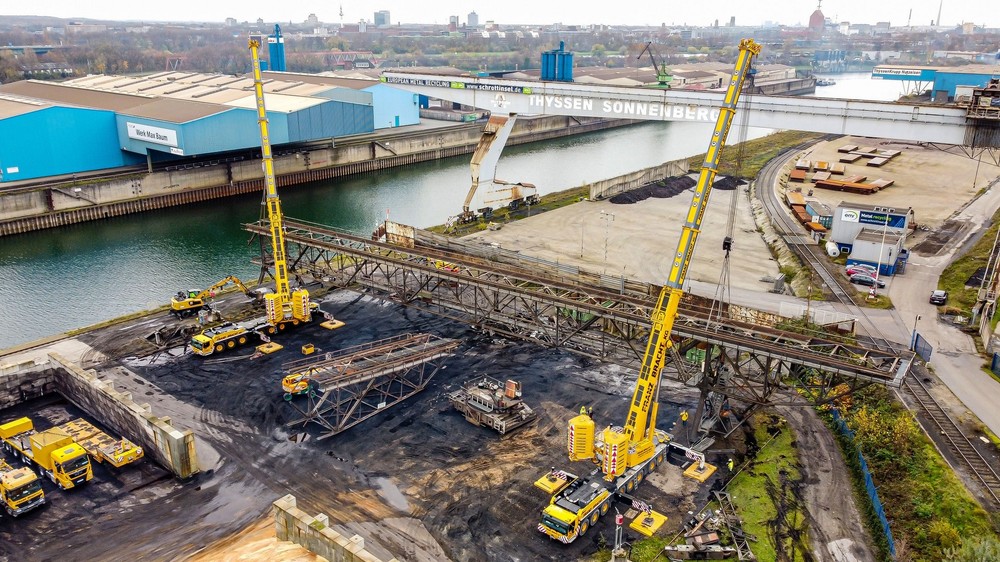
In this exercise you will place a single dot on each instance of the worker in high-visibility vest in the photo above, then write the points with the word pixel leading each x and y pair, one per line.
pixel 730 465
pixel 684 418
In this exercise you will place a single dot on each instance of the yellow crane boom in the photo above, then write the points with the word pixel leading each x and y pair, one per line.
pixel 642 414
pixel 270 185
pixel 283 304
pixel 626 454
pixel 284 307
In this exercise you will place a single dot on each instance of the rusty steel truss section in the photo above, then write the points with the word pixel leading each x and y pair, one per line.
pixel 557 307
pixel 353 384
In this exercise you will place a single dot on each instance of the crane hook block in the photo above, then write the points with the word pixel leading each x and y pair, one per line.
pixel 727 243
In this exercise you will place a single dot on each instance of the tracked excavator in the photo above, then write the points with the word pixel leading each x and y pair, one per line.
pixel 188 303
pixel 285 307
pixel 627 454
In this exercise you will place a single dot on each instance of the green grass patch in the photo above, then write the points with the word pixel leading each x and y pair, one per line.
pixel 770 480
pixel 753 491
pixel 928 507
pixel 954 276
pixel 756 153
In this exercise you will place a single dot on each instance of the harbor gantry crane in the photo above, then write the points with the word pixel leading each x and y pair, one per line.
pixel 627 454
pixel 663 77
pixel 284 307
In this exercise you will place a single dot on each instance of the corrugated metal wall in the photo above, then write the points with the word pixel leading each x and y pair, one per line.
pixel 329 119
pixel 394 107
pixel 947 81
pixel 60 140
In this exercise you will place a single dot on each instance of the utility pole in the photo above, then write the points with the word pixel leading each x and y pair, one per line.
pixel 608 218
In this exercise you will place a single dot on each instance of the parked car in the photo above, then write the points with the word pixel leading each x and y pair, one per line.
pixel 939 297
pixel 860 268
pixel 867 280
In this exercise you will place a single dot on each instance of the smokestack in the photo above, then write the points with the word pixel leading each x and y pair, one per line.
pixel 941 3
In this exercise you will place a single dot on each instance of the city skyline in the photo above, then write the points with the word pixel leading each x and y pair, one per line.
pixel 787 12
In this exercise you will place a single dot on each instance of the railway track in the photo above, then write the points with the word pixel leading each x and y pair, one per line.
pixel 954 438
pixel 958 442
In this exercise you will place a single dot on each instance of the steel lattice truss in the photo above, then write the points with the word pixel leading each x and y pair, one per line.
pixel 509 294
pixel 351 385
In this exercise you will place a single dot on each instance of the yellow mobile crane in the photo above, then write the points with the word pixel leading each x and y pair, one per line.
pixel 284 307
pixel 627 454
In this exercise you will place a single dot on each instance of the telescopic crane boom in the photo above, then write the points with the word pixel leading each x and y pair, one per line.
pixel 279 303
pixel 626 454
pixel 284 307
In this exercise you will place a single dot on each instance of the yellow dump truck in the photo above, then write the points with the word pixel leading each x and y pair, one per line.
pixel 20 489
pixel 101 446
pixel 53 451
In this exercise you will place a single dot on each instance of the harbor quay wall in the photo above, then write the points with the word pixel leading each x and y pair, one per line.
pixel 64 202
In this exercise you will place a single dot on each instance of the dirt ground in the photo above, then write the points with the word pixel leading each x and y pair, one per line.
pixel 933 183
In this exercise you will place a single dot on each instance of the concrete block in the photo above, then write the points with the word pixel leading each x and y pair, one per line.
pixel 286 502
pixel 358 540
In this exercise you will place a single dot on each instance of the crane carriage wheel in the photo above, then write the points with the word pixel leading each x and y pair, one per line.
pixel 243 340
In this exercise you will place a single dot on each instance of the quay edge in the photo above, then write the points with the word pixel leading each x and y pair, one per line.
pixel 70 201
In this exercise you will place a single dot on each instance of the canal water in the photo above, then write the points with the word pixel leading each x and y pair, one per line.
pixel 60 279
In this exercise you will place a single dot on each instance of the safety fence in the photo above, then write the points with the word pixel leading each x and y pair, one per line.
pixel 876 504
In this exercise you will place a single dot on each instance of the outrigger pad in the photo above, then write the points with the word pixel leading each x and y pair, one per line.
pixel 552 482
pixel 269 347
pixel 332 324
pixel 648 523
pixel 700 475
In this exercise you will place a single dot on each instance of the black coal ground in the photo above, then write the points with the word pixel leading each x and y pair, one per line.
pixel 670 187
pixel 469 488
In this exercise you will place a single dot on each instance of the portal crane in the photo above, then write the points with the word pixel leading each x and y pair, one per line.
pixel 663 77
pixel 627 454
pixel 497 192
pixel 284 307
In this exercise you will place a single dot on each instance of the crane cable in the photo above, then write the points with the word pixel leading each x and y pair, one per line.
pixel 723 290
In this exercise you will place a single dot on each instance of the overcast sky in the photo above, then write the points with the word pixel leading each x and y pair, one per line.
pixel 578 12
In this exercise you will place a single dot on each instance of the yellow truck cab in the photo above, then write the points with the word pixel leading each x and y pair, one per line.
pixel 53 451
pixel 20 489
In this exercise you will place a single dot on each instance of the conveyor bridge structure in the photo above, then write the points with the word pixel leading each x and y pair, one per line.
pixel 563 307
pixel 353 384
